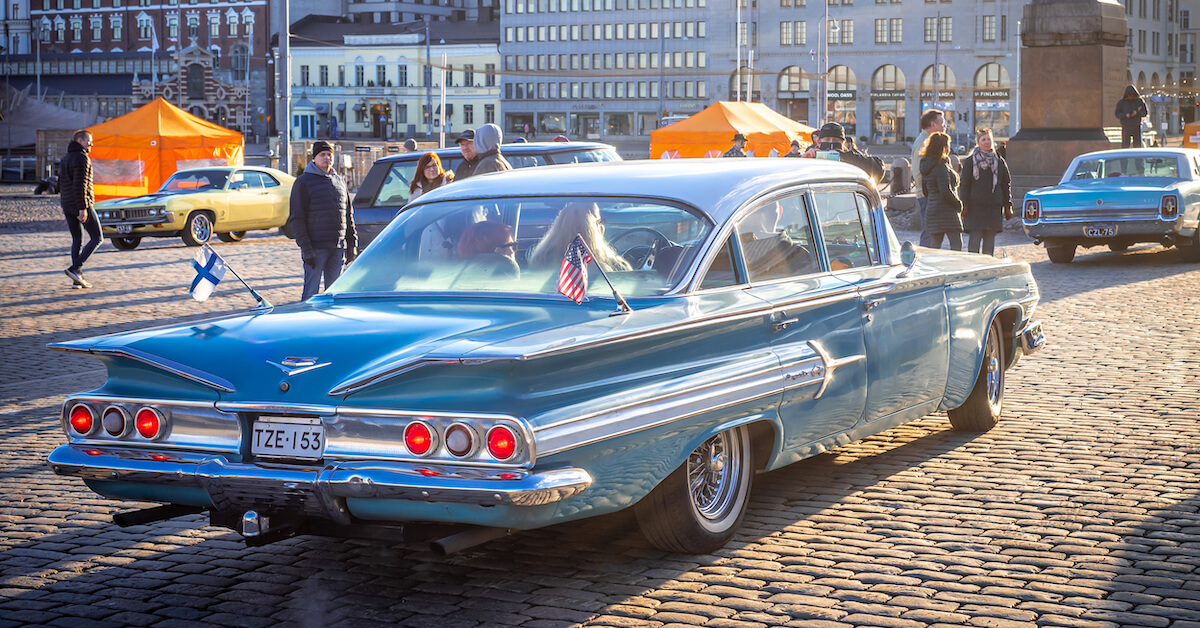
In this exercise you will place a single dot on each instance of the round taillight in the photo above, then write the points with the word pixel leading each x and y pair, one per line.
pixel 501 442
pixel 148 423
pixel 113 421
pixel 82 420
pixel 418 438
pixel 460 440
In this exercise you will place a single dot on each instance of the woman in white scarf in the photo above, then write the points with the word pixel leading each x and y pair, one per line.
pixel 986 193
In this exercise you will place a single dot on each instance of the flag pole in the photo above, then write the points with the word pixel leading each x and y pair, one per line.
pixel 263 303
pixel 622 306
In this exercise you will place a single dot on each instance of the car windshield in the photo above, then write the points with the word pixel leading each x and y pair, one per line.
pixel 196 180
pixel 517 245
pixel 1131 166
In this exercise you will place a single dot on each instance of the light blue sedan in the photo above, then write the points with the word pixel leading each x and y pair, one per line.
pixel 750 313
pixel 1118 198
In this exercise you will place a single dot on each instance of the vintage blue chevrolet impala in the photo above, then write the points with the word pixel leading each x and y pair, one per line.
pixel 766 313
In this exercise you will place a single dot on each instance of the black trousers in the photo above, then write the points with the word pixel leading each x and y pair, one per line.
pixel 79 251
pixel 1131 136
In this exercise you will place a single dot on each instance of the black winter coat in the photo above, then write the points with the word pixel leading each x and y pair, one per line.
pixel 983 207
pixel 319 212
pixel 75 180
pixel 941 192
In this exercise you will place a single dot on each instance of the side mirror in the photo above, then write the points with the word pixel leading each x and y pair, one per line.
pixel 908 257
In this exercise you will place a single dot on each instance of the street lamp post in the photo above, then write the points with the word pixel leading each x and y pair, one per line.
pixel 827 28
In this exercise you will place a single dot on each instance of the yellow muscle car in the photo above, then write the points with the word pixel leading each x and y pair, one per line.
pixel 195 204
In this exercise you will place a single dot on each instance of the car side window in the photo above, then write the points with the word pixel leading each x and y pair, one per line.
pixel 394 191
pixel 720 273
pixel 842 230
pixel 268 181
pixel 868 221
pixel 525 161
pixel 252 180
pixel 776 240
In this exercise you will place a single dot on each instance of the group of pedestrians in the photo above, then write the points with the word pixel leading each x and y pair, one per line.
pixel 975 200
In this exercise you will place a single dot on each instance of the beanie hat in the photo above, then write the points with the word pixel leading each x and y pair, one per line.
pixel 321 146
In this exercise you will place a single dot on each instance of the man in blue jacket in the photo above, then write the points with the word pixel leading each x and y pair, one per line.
pixel 321 219
pixel 78 204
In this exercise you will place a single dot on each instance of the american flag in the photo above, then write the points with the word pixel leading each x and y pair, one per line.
pixel 572 277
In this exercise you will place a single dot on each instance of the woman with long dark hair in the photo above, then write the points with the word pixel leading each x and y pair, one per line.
pixel 986 193
pixel 943 212
pixel 429 175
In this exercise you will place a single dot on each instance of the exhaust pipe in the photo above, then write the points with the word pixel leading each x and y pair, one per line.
pixel 465 540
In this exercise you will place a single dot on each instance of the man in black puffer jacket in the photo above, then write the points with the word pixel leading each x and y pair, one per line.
pixel 321 219
pixel 78 204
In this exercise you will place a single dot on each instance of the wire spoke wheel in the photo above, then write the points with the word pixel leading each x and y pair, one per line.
pixel 712 473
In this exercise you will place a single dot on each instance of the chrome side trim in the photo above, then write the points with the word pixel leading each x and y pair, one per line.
pixel 315 490
pixel 831 364
pixel 275 408
pixel 170 366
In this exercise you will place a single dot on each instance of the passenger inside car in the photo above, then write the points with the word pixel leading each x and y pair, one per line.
pixel 770 253
pixel 490 250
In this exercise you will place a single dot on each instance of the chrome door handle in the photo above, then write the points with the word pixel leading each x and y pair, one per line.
pixel 781 325
pixel 870 304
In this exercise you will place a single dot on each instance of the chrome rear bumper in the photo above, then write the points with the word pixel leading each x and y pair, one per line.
pixel 1031 337
pixel 313 490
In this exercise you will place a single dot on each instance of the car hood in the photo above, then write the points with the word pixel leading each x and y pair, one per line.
pixel 326 349
pixel 1128 193
pixel 148 199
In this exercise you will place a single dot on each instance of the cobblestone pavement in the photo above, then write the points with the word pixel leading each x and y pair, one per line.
pixel 1079 509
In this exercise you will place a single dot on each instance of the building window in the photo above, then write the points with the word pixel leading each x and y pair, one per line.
pixel 469 75
pixel 97 30
pixel 847 31
pixel 341 76
pixel 489 80
pixel 989 28
pixel 360 78
pixel 489 114
pixel 402 75
pixel 930 30
pixel 896 25
pixel 881 31
pixel 116 29
pixel 468 114
pixel 304 76
pixel 77 31
pixel 401 114
pixel 800 33
pixel 785 34
pixel 172 28
pixel 240 60
pixel 381 75
pixel 193 22
pixel 233 26
pixel 323 75
pixel 214 26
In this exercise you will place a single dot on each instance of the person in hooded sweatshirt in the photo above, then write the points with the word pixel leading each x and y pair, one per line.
pixel 1130 111
pixel 943 211
pixel 320 217
pixel 487 150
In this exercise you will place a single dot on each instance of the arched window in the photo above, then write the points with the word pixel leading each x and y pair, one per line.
pixel 239 57
pixel 945 79
pixel 841 78
pixel 751 86
pixel 991 76
pixel 792 79
pixel 888 78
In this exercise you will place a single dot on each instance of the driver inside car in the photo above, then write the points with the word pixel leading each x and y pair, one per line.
pixel 585 220
pixel 769 252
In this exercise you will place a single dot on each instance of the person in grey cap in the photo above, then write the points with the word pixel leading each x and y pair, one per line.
pixel 321 219
pixel 796 151
pixel 739 146
pixel 466 145
pixel 409 145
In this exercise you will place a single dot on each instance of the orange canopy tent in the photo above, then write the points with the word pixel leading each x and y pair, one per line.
pixel 1191 135
pixel 709 133
pixel 135 153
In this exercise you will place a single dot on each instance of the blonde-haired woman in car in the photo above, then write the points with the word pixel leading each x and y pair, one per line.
pixel 576 218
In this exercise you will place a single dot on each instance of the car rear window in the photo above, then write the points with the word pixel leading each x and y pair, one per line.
pixel 586 156
pixel 646 247
pixel 1130 166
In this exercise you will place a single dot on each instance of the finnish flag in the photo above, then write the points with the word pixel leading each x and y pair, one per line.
pixel 210 269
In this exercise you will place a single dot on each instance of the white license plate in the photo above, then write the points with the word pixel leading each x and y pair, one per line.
pixel 124 228
pixel 1100 231
pixel 287 437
